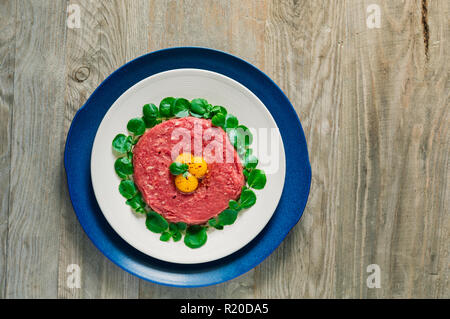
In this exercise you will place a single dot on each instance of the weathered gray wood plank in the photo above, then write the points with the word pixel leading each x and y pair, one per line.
pixel 7 53
pixel 111 34
pixel 37 144
pixel 374 108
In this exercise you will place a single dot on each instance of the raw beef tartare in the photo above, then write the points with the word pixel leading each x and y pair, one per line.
pixel 153 154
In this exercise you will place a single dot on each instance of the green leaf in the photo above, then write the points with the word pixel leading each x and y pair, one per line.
pixel 199 106
pixel 248 136
pixel 155 222
pixel 127 189
pixel 207 115
pixel 151 121
pixel 177 168
pixel 136 203
pixel 165 107
pixel 165 236
pixel 234 205
pixel 218 109
pixel 181 107
pixel 248 198
pixel 195 236
pixel 136 126
pixel 218 120
pixel 227 217
pixel 246 173
pixel 123 166
pixel 196 115
pixel 257 179
pixel 173 228
pixel 236 138
pixel 150 111
pixel 213 222
pixel 231 121
pixel 181 226
pixel 250 161
pixel 176 236
pixel 121 143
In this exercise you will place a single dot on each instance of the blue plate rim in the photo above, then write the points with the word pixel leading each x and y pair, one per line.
pixel 230 275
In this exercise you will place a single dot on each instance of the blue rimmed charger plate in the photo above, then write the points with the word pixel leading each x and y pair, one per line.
pixel 78 153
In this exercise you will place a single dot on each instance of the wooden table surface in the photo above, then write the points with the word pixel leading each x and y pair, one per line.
pixel 368 78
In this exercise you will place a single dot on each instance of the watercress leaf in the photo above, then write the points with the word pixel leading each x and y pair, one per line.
pixel 177 168
pixel 207 115
pixel 181 226
pixel 199 106
pixel 123 166
pixel 134 140
pixel 248 198
pixel 176 236
pixel 248 136
pixel 257 179
pixel 173 228
pixel 155 222
pixel 150 111
pixel 234 205
pixel 231 121
pixel 151 121
pixel 246 173
pixel 227 217
pixel 218 109
pixel 218 120
pixel 212 222
pixel 181 107
pixel 196 115
pixel 236 139
pixel 121 143
pixel 195 236
pixel 165 236
pixel 136 126
pixel 165 107
pixel 250 161
pixel 136 203
pixel 140 210
pixel 127 189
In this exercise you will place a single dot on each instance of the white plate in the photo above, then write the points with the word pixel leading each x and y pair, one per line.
pixel 190 84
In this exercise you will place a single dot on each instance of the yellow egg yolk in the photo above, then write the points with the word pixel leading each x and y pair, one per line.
pixel 184 158
pixel 198 167
pixel 186 184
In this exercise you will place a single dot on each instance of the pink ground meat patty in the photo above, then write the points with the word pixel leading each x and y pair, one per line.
pixel 152 157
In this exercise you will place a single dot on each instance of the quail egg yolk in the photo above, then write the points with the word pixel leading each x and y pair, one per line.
pixel 198 167
pixel 184 158
pixel 186 184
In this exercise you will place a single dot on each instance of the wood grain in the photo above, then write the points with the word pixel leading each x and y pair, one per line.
pixel 374 105
pixel 111 34
pixel 375 110
pixel 36 149
pixel 7 54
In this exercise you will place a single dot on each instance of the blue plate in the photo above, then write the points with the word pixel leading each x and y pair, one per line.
pixel 78 153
